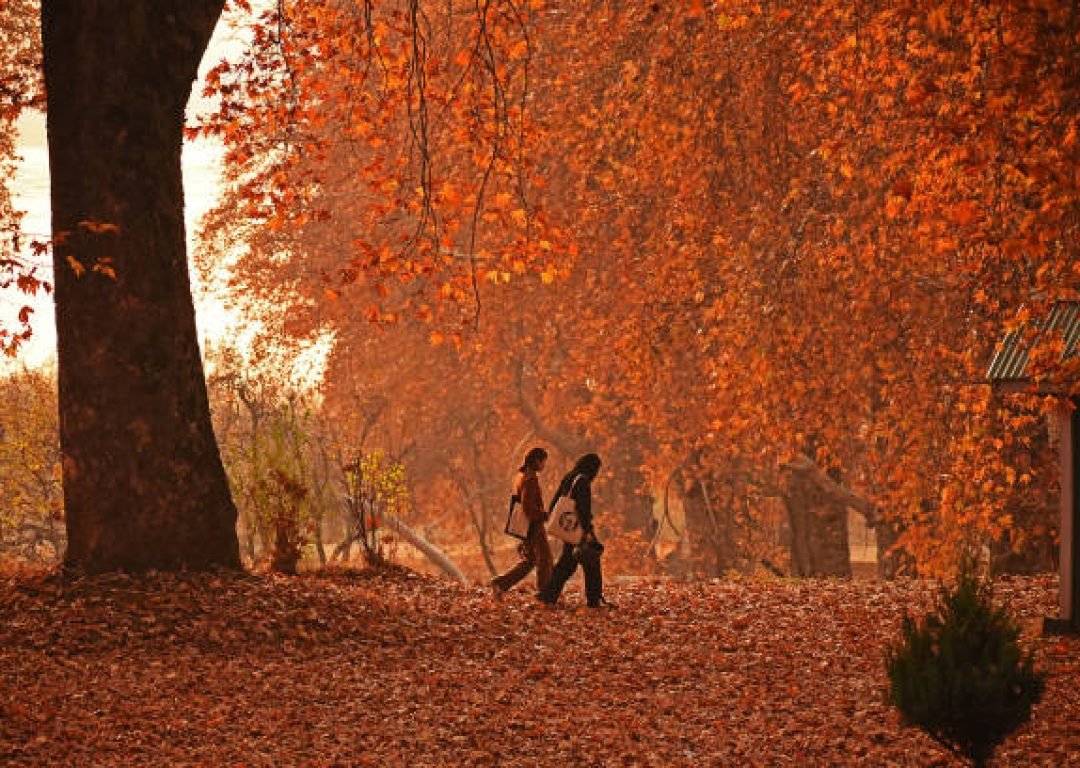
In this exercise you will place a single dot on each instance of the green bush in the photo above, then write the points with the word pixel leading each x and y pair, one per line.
pixel 960 675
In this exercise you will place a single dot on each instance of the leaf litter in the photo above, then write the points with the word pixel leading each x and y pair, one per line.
pixel 387 667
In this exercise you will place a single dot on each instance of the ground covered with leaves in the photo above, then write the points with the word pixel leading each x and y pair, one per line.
pixel 392 668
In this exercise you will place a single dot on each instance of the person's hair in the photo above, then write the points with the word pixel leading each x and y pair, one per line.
pixel 533 459
pixel 588 465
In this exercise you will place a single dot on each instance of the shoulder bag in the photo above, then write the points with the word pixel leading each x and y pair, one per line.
pixel 565 524
pixel 517 524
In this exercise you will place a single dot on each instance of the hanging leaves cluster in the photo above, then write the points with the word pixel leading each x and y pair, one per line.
pixel 738 233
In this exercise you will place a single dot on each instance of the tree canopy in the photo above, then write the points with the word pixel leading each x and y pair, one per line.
pixel 705 237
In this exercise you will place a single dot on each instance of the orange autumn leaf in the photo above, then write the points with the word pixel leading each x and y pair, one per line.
pixel 966 213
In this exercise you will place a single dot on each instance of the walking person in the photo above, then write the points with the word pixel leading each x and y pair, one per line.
pixel 578 485
pixel 534 550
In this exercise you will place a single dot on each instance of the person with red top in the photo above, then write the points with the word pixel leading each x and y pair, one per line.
pixel 534 550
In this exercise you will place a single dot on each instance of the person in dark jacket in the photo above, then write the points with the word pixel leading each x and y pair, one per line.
pixel 535 551
pixel 578 483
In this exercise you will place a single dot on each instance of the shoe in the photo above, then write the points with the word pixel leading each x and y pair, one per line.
pixel 603 604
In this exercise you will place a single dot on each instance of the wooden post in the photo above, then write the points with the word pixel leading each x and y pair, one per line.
pixel 1069 573
pixel 1065 532
pixel 1070 528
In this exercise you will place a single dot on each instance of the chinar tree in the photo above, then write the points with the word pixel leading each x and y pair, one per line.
pixel 143 482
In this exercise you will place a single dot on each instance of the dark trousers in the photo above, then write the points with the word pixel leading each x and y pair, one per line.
pixel 535 553
pixel 564 569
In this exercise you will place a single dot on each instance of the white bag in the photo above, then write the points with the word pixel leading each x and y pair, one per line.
pixel 517 524
pixel 565 524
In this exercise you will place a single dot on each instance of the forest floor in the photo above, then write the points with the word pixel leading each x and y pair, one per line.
pixel 392 668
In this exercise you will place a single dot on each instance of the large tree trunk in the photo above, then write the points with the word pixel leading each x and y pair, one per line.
pixel 819 541
pixel 143 482
pixel 817 513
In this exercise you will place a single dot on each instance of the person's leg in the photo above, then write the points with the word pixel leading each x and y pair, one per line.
pixel 506 581
pixel 542 555
pixel 594 581
pixel 562 571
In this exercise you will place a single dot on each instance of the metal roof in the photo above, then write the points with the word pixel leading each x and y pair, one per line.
pixel 1010 363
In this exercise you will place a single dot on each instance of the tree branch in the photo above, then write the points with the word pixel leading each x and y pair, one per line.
pixel 429 550
pixel 567 444
pixel 838 492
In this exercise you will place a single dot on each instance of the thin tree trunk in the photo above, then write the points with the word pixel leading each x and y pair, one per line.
pixel 481 533
pixel 144 486
pixel 320 548
pixel 343 550
pixel 250 529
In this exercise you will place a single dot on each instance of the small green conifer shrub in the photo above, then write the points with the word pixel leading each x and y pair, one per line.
pixel 960 674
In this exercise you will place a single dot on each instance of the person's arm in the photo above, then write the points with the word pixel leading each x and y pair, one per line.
pixel 532 501
pixel 582 494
